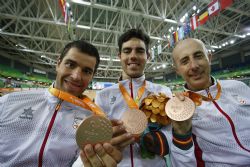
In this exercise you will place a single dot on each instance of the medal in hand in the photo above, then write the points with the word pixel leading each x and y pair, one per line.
pixel 178 110
pixel 94 129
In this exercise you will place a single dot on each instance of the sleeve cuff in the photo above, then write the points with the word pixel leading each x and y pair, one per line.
pixel 159 144
pixel 183 142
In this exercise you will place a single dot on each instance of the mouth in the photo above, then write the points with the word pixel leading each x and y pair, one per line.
pixel 73 86
pixel 196 76
pixel 133 64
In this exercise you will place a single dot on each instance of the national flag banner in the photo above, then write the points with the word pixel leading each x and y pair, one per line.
pixel 171 40
pixel 187 29
pixel 62 4
pixel 175 34
pixel 66 16
pixel 194 22
pixel 225 3
pixel 203 17
pixel 181 33
pixel 152 54
pixel 159 48
pixel 213 8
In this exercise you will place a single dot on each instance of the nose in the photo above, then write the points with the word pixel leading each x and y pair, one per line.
pixel 194 64
pixel 77 74
pixel 133 54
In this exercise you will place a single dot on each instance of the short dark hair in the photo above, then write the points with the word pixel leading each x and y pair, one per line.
pixel 83 47
pixel 134 33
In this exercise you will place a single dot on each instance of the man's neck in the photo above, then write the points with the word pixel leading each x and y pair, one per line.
pixel 210 83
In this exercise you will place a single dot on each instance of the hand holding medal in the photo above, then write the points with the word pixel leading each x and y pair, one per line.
pixel 94 129
pixel 180 110
pixel 135 121
pixel 162 109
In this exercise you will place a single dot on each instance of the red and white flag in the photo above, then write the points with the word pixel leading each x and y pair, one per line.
pixel 225 3
pixel 213 8
pixel 194 22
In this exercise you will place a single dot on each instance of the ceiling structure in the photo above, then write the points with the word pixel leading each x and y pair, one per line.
pixel 34 32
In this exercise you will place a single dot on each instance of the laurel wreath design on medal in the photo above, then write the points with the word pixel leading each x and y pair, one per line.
pixel 94 129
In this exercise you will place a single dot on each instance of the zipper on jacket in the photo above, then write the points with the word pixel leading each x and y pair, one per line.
pixel 40 158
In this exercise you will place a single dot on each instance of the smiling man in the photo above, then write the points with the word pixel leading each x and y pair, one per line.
pixel 220 125
pixel 38 127
pixel 133 54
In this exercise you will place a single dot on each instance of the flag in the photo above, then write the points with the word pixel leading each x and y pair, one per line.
pixel 187 29
pixel 152 53
pixel 171 40
pixel 175 36
pixel 159 49
pixel 62 4
pixel 181 33
pixel 66 16
pixel 203 17
pixel 193 22
pixel 213 8
pixel 225 3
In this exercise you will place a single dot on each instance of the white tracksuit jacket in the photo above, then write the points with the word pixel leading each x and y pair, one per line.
pixel 213 131
pixel 24 121
pixel 113 103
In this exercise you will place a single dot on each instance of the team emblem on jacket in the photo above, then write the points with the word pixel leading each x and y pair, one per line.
pixel 240 99
pixel 112 100
pixel 27 114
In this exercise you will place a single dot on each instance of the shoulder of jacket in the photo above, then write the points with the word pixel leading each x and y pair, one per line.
pixel 231 83
pixel 154 85
pixel 108 89
pixel 28 93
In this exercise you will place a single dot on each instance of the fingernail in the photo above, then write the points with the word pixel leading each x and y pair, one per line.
pixel 129 134
pixel 122 127
pixel 119 122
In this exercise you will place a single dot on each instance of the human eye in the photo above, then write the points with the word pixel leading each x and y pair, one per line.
pixel 141 50
pixel 88 71
pixel 198 55
pixel 126 50
pixel 183 61
pixel 69 64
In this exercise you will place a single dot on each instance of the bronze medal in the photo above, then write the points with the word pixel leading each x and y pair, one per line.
pixel 94 129
pixel 135 121
pixel 178 110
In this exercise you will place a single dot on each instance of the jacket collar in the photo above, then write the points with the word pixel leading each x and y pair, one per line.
pixel 137 81
pixel 212 88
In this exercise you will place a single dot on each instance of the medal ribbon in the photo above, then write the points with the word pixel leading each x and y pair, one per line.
pixel 132 104
pixel 197 98
pixel 129 100
pixel 85 102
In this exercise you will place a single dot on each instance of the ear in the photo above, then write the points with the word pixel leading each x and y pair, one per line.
pixel 58 64
pixel 209 58
pixel 174 65
pixel 148 56
pixel 176 69
pixel 119 55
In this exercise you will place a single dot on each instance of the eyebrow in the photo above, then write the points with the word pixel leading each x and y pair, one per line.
pixel 183 58
pixel 73 61
pixel 70 60
pixel 198 52
pixel 137 48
